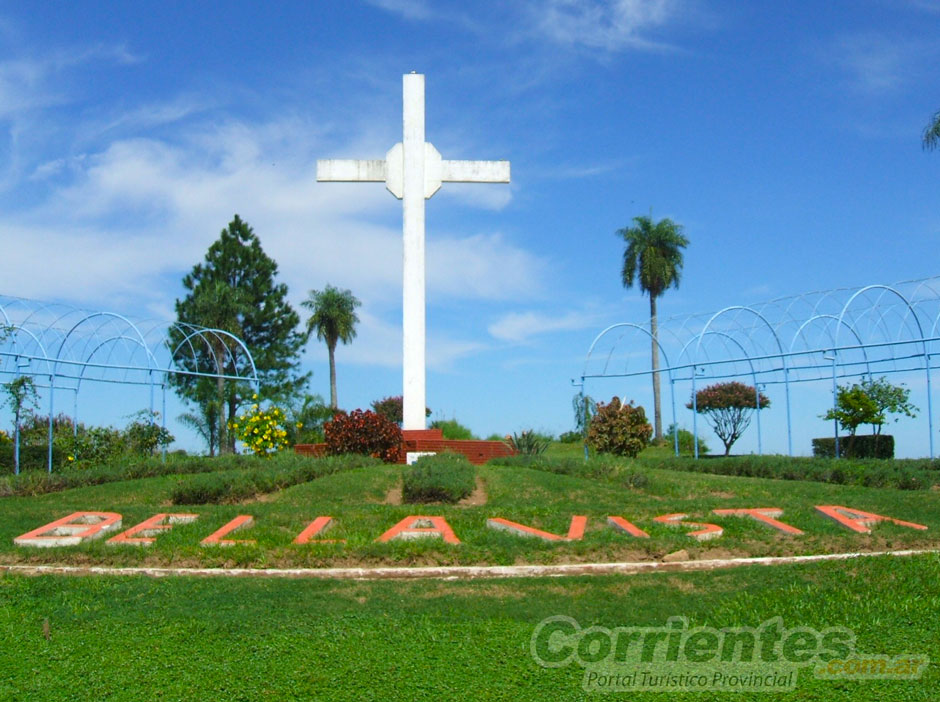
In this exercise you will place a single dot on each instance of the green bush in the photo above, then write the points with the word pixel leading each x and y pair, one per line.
pixel 452 429
pixel 686 441
pixel 864 446
pixel 571 437
pixel 446 477
pixel 619 429
pixel 31 458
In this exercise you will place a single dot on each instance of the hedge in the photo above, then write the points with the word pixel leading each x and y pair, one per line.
pixel 864 446
pixel 918 474
pixel 270 476
pixel 445 477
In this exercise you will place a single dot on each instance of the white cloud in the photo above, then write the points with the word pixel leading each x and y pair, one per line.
pixel 124 223
pixel 874 63
pixel 521 326
pixel 877 64
pixel 610 25
pixel 409 9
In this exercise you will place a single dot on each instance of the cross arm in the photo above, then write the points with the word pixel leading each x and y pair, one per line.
pixel 351 170
pixel 475 171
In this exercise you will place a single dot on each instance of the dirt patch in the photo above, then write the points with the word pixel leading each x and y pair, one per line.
pixel 477 497
pixel 393 496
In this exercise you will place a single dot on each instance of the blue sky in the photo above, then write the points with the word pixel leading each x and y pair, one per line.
pixel 785 137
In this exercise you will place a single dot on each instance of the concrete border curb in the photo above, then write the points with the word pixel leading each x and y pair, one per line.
pixel 454 572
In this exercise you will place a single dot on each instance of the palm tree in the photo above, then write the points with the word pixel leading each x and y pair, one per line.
pixel 219 306
pixel 653 257
pixel 932 133
pixel 205 423
pixel 333 316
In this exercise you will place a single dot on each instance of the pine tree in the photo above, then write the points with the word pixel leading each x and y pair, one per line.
pixel 234 290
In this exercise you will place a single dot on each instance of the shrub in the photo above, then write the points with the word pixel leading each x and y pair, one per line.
pixel 619 429
pixel 452 429
pixel 261 430
pixel 446 477
pixel 686 438
pixel 869 402
pixel 529 443
pixel 873 446
pixel 571 437
pixel 144 435
pixel 365 433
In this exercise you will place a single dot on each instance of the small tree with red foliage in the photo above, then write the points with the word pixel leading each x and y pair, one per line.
pixel 363 432
pixel 729 407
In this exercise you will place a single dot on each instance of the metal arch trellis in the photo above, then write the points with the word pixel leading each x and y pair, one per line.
pixel 818 336
pixel 63 347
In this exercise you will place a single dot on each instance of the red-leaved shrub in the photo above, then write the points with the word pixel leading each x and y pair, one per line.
pixel 363 432
pixel 620 429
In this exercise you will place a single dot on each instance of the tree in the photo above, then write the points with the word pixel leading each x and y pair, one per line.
pixel 235 290
pixel 932 133
pixel 584 408
pixel 393 409
pixel 333 317
pixel 21 397
pixel 729 407
pixel 653 258
pixel 205 422
pixel 869 402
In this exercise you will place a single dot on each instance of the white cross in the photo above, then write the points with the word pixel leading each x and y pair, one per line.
pixel 413 171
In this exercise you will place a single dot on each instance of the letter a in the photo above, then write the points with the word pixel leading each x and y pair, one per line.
pixel 859 521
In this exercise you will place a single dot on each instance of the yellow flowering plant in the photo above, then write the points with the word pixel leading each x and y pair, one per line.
pixel 262 430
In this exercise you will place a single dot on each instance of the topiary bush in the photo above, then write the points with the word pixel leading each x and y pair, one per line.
pixel 619 429
pixel 446 477
pixel 365 433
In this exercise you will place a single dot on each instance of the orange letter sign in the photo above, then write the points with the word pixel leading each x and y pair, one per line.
pixel 708 531
pixel 623 525
pixel 317 526
pixel 859 521
pixel 420 527
pixel 764 515
pixel 240 522
pixel 71 530
pixel 149 528
pixel 575 531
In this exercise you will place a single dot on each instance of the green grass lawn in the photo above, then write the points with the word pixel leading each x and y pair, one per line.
pixel 185 638
pixel 134 638
pixel 357 501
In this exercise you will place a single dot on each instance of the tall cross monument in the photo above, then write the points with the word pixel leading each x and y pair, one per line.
pixel 413 171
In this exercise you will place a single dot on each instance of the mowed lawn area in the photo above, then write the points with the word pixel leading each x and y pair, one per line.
pixel 189 638
pixel 185 638
pixel 362 503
